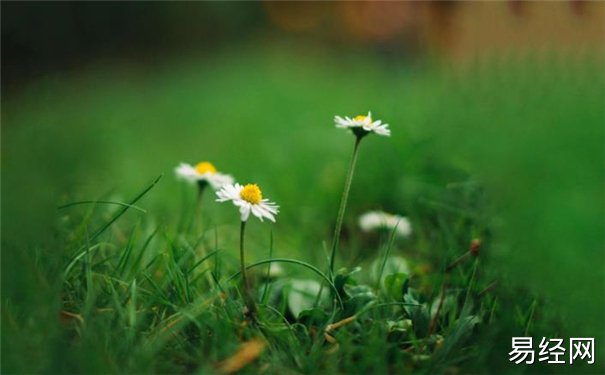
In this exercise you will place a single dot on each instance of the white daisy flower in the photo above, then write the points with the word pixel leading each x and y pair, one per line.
pixel 203 172
pixel 374 220
pixel 248 198
pixel 362 125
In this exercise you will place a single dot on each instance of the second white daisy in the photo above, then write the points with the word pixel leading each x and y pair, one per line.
pixel 363 124
pixel 249 199
pixel 360 126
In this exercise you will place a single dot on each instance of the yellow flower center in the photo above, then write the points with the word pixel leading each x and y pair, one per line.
pixel 251 193
pixel 205 167
pixel 362 118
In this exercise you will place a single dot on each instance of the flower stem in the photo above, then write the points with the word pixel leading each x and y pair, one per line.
pixel 201 186
pixel 248 297
pixel 343 203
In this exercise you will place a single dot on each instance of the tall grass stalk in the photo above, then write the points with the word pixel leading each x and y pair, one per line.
pixel 197 220
pixel 248 297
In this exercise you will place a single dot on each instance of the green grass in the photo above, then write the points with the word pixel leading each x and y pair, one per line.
pixel 509 154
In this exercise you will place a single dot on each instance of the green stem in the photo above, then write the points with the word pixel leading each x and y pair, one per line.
pixel 343 204
pixel 249 298
pixel 198 207
pixel 531 316
pixel 197 221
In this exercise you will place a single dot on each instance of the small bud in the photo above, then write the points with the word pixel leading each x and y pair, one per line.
pixel 475 246
pixel 438 342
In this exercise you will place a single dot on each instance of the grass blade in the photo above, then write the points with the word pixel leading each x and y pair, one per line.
pixel 386 256
pixel 126 205
pixel 108 224
pixel 297 262
pixel 263 298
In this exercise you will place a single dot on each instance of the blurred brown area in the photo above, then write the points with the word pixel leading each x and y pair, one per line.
pixel 50 36
pixel 458 30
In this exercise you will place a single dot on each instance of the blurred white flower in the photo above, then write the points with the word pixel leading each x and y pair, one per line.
pixel 364 123
pixel 248 198
pixel 306 294
pixel 276 270
pixel 374 220
pixel 203 172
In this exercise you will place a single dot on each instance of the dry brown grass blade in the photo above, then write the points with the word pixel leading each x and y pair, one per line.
pixel 66 317
pixel 332 327
pixel 246 354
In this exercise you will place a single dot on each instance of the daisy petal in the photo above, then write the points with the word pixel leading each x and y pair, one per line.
pixel 186 172
pixel 265 211
pixel 256 211
pixel 244 210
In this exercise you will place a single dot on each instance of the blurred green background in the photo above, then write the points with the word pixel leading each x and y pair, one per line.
pixel 100 98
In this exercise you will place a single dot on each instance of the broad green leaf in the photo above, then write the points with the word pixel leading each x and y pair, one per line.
pixel 396 285
pixel 303 295
pixel 358 297
pixel 394 264
pixel 314 316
